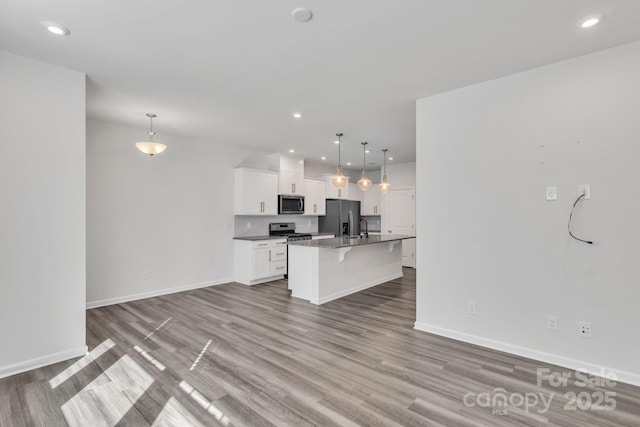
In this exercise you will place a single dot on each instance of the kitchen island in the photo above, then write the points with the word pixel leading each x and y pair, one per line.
pixel 324 270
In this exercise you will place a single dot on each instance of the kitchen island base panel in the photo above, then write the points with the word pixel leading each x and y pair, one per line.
pixel 320 275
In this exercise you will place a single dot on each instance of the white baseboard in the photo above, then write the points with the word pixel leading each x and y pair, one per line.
pixel 355 289
pixel 38 362
pixel 554 359
pixel 143 295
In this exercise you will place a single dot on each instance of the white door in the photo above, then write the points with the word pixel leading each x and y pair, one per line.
pixel 401 219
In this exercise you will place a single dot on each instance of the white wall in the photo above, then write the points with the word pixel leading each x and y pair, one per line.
pixel 485 154
pixel 401 174
pixel 170 215
pixel 42 214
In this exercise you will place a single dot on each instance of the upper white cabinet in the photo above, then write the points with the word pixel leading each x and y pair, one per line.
pixel 255 192
pixel 371 202
pixel 354 192
pixel 332 192
pixel 290 171
pixel 314 198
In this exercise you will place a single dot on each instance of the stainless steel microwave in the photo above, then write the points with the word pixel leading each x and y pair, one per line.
pixel 290 205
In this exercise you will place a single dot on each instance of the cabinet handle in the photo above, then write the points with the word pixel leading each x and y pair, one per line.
pixel 263 244
pixel 339 192
pixel 315 208
pixel 279 268
pixel 281 253
pixel 269 255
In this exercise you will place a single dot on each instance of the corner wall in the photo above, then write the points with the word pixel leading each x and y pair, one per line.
pixel 42 214
pixel 486 233
pixel 156 225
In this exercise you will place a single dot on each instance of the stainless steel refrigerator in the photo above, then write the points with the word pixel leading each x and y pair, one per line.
pixel 342 218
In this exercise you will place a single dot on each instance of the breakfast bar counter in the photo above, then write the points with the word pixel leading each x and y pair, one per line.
pixel 324 270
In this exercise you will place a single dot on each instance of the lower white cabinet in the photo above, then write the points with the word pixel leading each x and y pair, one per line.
pixel 259 261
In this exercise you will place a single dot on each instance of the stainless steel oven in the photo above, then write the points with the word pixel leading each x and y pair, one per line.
pixel 292 205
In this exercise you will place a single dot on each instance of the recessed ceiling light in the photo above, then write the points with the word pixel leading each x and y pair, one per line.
pixel 590 20
pixel 390 158
pixel 292 151
pixel 367 151
pixel 323 158
pixel 336 142
pixel 56 29
pixel 297 115
pixel 302 14
pixel 348 163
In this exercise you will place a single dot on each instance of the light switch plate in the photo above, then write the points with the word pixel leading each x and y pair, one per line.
pixel 552 193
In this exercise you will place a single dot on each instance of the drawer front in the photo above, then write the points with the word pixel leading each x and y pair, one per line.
pixel 261 244
pixel 279 253
pixel 278 268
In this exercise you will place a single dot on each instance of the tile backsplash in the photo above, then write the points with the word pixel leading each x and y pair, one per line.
pixel 259 225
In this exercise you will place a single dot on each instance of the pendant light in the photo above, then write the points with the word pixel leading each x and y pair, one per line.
pixel 364 183
pixel 150 147
pixel 339 180
pixel 384 186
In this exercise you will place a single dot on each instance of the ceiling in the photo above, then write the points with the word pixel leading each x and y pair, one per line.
pixel 232 72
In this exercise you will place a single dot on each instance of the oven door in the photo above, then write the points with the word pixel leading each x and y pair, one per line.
pixel 293 205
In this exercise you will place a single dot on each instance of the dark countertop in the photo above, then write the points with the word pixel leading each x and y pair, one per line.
pixel 345 242
pixel 255 238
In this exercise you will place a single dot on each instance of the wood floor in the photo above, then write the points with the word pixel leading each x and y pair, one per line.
pixel 253 356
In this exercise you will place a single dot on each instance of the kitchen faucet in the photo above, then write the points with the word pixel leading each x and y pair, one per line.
pixel 366 228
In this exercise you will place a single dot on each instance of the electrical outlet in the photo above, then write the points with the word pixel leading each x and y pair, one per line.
pixel 472 307
pixel 584 189
pixel 552 193
pixel 584 329
pixel 552 323
pixel 248 224
pixel 146 275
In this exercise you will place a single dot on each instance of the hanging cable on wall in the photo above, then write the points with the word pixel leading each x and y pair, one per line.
pixel 571 216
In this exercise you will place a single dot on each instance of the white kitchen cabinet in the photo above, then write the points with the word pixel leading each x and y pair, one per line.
pixel 259 261
pixel 255 192
pixel 371 202
pixel 314 197
pixel 332 192
pixel 260 264
pixel 290 171
pixel 354 192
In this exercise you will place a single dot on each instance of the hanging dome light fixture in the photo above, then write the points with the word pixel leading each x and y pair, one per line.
pixel 384 186
pixel 364 183
pixel 339 180
pixel 150 147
